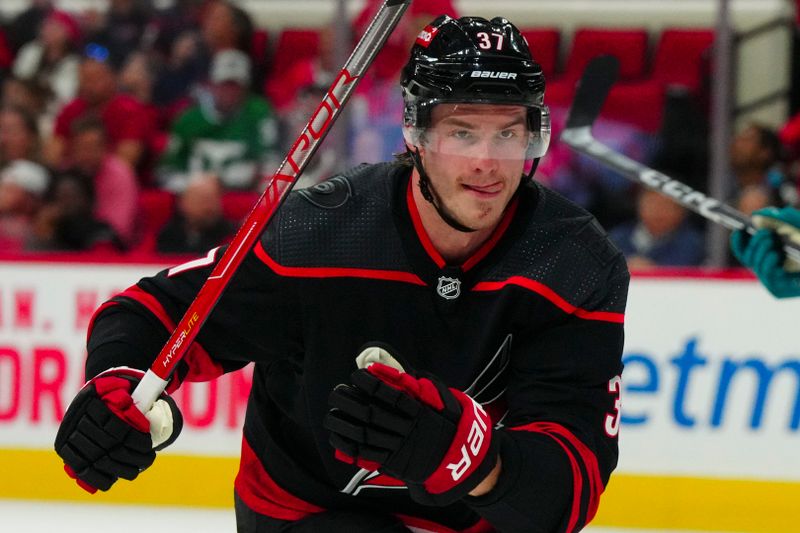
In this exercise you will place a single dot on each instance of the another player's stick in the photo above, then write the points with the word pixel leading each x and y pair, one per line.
pixel 591 94
pixel 155 380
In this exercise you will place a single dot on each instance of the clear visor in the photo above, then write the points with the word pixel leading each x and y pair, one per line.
pixel 506 133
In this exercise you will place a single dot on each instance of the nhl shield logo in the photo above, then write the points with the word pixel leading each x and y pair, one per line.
pixel 449 288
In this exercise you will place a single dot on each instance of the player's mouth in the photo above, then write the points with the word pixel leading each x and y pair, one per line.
pixel 489 190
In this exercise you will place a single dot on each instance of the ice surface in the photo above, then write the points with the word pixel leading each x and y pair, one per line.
pixel 24 516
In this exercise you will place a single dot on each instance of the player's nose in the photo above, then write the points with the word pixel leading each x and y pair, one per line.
pixel 484 156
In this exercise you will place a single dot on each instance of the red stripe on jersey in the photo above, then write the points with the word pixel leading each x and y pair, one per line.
pixel 567 440
pixel 263 495
pixel 550 294
pixel 151 304
pixel 420 229
pixel 420 524
pixel 96 313
pixel 201 366
pixel 496 235
pixel 335 272
pixel 434 254
pixel 589 459
pixel 603 316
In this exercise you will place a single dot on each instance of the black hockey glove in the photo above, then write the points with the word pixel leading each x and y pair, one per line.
pixel 104 436
pixel 437 440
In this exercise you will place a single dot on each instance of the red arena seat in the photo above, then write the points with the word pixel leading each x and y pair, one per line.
pixel 155 209
pixel 680 57
pixel 294 44
pixel 237 204
pixel 259 48
pixel 294 47
pixel 629 46
pixel 639 104
pixel 544 44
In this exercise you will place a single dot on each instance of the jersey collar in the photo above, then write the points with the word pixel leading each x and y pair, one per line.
pixel 480 253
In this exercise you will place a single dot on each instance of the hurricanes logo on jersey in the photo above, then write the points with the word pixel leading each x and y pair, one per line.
pixel 449 288
pixel 329 194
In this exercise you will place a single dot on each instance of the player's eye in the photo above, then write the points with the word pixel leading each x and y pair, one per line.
pixel 507 134
pixel 461 134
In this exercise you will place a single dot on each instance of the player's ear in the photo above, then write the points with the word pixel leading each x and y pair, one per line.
pixel 418 148
pixel 411 138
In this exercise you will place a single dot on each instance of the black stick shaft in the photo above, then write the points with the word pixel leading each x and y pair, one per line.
pixel 593 89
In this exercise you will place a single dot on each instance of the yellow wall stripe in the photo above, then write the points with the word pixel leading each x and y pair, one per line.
pixel 652 502
pixel 172 480
pixel 701 504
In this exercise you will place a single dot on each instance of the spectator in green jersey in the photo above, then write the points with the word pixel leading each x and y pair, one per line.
pixel 228 132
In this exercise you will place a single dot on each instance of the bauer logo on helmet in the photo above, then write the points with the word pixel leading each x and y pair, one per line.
pixel 493 74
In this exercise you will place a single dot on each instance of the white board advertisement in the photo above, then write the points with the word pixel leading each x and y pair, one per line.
pixel 711 388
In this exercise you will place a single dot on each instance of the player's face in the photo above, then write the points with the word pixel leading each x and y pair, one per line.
pixel 474 155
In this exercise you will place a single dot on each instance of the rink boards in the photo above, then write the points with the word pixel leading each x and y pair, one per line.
pixel 711 402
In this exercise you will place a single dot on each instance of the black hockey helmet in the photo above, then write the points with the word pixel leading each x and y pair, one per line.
pixel 473 60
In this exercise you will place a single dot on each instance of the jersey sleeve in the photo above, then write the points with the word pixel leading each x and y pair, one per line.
pixel 251 321
pixel 558 443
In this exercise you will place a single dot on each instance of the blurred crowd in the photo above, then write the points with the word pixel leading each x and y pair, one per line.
pixel 102 112
pixel 105 114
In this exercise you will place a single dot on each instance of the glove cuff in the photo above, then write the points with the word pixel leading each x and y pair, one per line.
pixel 420 494
pixel 470 458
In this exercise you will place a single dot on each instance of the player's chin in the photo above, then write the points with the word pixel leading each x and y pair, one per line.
pixel 479 213
pixel 482 217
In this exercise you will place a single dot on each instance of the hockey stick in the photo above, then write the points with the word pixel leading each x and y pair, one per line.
pixel 155 379
pixel 591 94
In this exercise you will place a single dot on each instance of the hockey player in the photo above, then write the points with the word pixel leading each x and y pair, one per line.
pixel 437 340
pixel 763 253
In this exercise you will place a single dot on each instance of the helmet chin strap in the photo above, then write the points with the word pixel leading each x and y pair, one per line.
pixel 430 194
pixel 527 178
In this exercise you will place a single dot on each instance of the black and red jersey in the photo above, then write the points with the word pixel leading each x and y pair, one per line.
pixel 531 326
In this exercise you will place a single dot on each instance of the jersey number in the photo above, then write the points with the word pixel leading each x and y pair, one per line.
pixel 612 419
pixel 485 42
